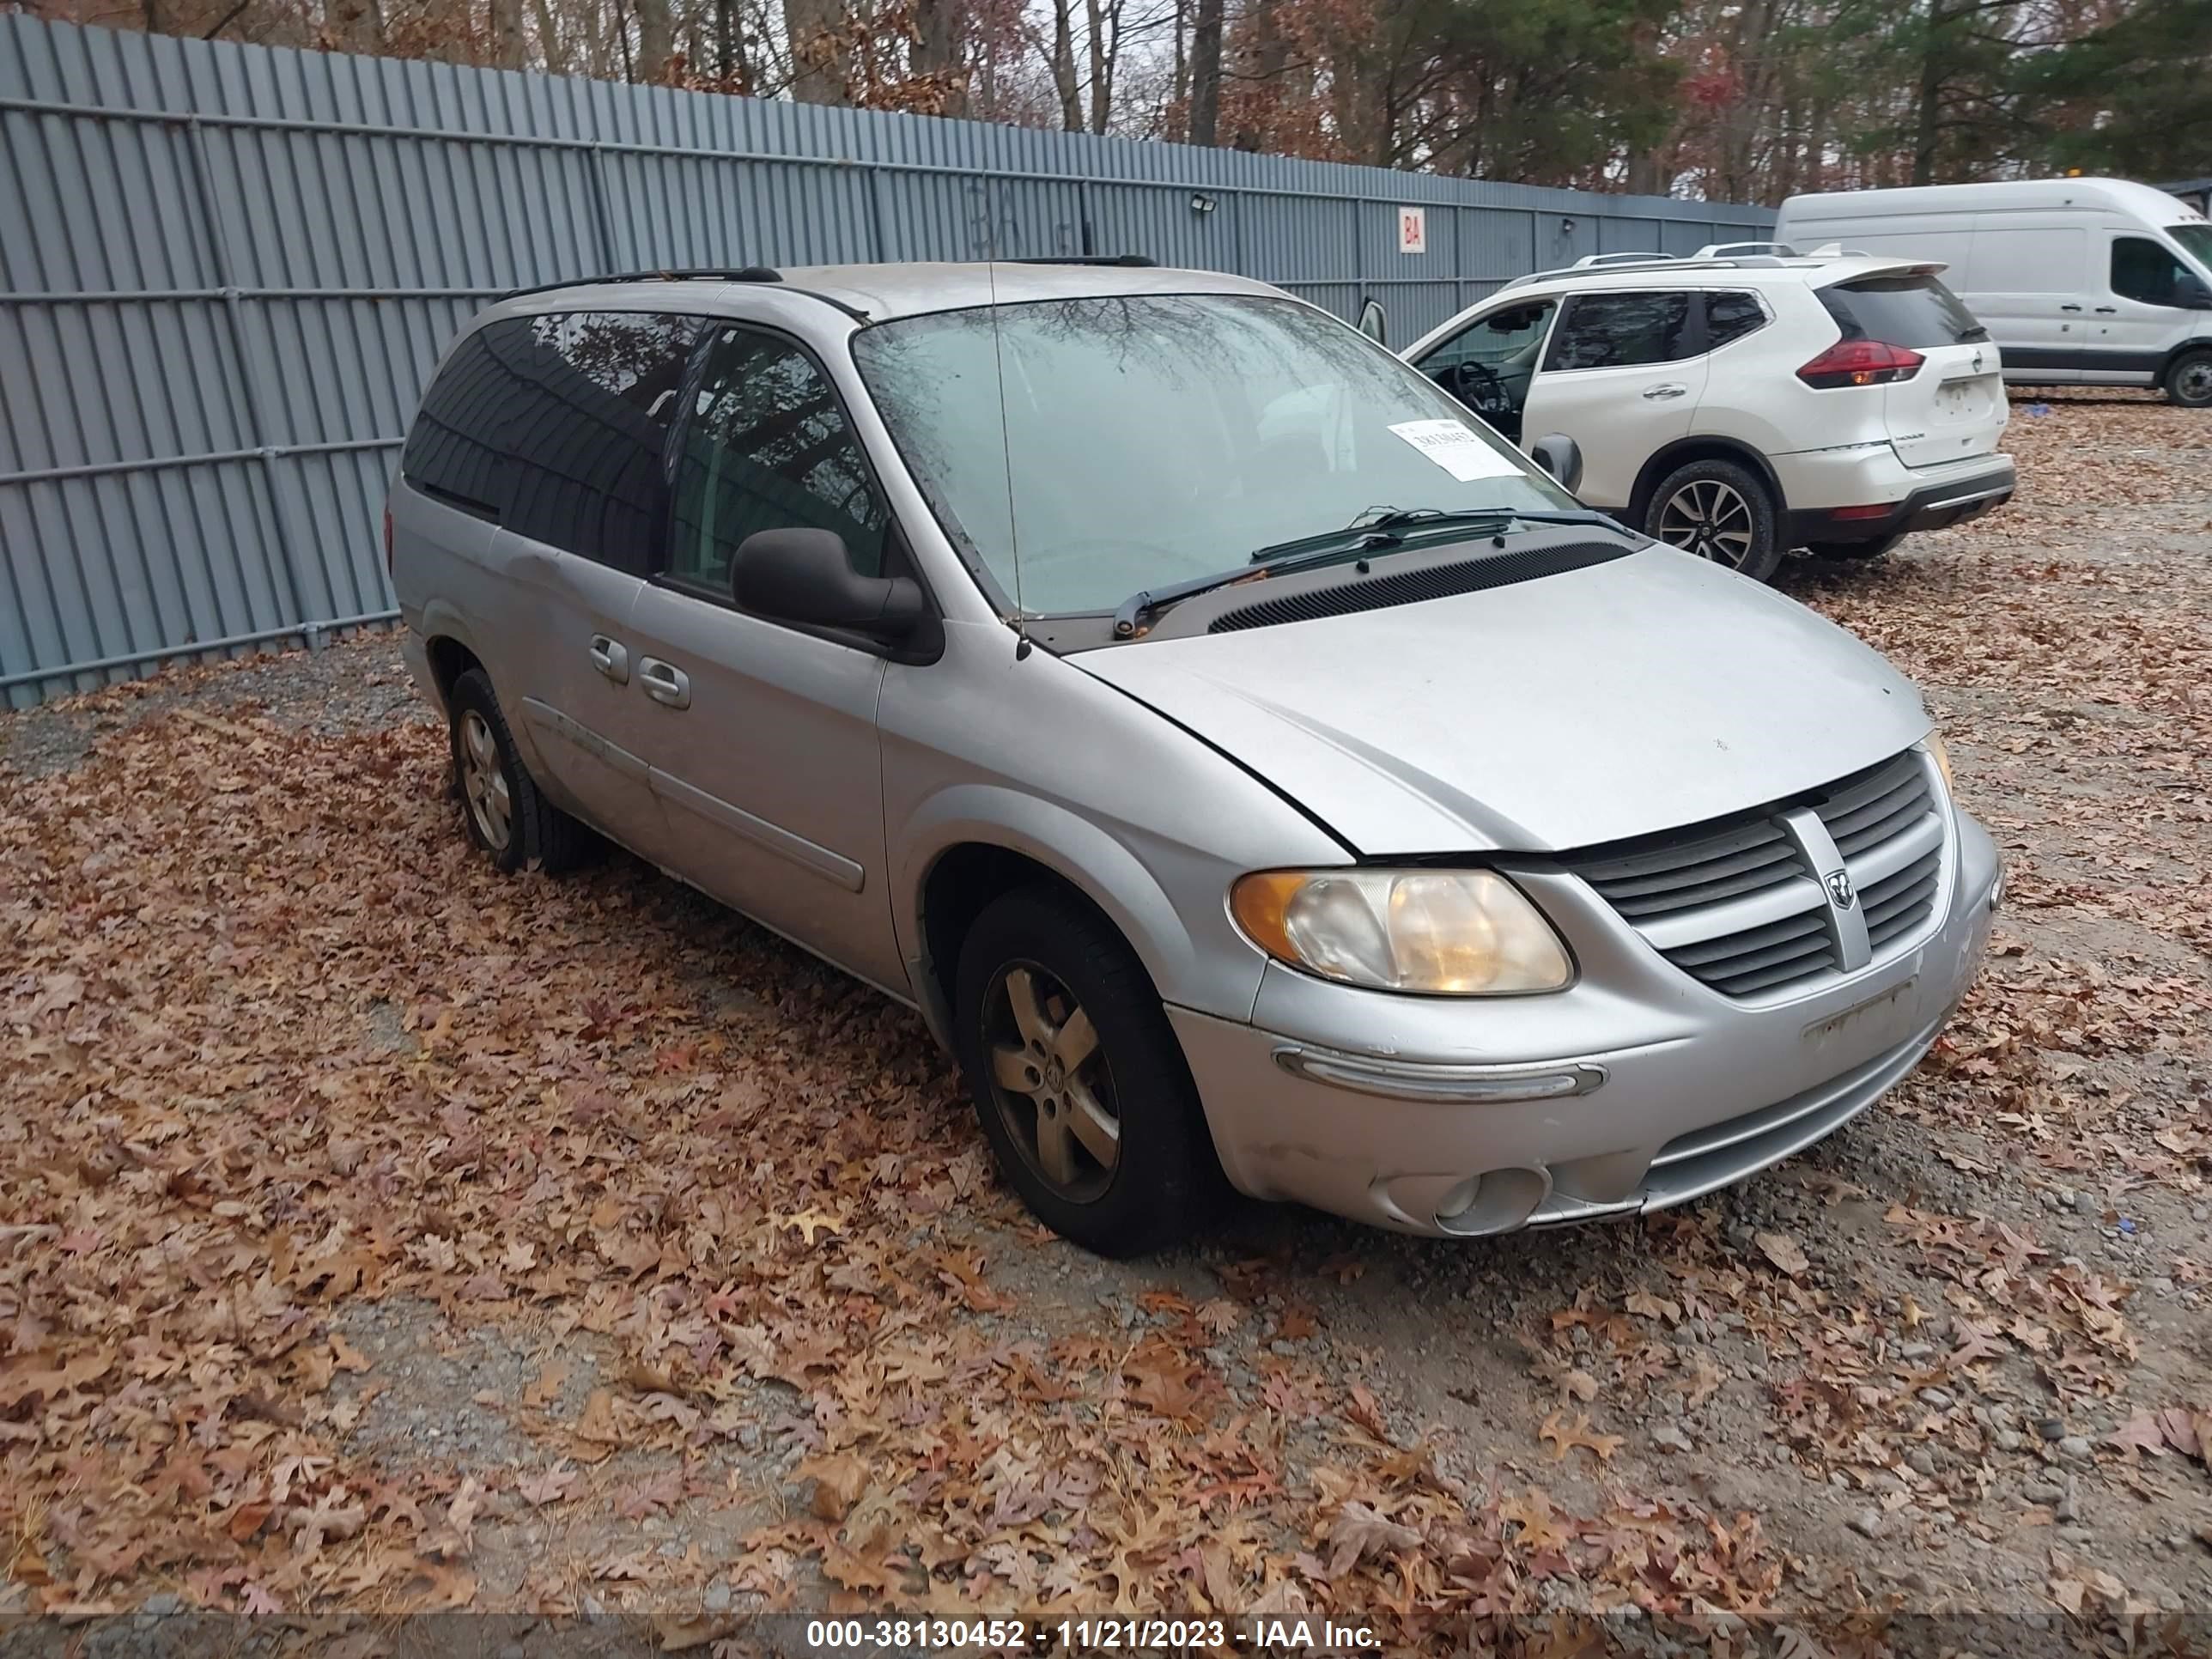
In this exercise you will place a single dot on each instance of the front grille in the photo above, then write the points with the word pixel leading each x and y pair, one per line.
pixel 1738 903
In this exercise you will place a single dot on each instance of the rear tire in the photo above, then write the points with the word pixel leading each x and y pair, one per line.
pixel 1719 510
pixel 1873 549
pixel 501 807
pixel 1079 1081
pixel 2189 379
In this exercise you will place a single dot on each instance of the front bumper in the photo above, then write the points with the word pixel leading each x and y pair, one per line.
pixel 1911 502
pixel 1637 1089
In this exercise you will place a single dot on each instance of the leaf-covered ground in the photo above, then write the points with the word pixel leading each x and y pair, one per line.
pixel 378 1233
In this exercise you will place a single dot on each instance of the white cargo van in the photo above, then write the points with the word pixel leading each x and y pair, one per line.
pixel 2090 282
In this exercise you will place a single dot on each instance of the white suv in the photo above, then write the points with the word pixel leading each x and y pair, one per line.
pixel 1746 400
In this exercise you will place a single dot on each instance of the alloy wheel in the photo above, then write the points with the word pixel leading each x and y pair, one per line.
pixel 1050 1083
pixel 484 782
pixel 1710 519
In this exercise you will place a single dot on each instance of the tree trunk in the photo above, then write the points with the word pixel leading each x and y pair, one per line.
pixel 1179 116
pixel 1102 80
pixel 507 46
pixel 819 71
pixel 552 42
pixel 1063 67
pixel 1206 74
pixel 1270 54
pixel 656 40
pixel 939 52
pixel 1927 109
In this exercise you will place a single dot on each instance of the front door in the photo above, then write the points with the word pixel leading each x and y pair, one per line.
pixel 2140 319
pixel 1490 364
pixel 1622 376
pixel 761 737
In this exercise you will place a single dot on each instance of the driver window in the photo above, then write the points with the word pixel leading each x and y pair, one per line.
pixel 2143 270
pixel 1488 364
pixel 767 448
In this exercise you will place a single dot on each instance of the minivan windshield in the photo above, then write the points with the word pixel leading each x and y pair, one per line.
pixel 1146 440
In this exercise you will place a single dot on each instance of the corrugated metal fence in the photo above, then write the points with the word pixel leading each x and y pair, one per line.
pixel 225 271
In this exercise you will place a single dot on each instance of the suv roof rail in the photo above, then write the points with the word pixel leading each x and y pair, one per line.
pixel 1725 249
pixel 1132 261
pixel 741 274
pixel 1598 261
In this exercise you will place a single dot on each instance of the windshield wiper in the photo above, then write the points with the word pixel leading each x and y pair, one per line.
pixel 1387 532
pixel 1336 545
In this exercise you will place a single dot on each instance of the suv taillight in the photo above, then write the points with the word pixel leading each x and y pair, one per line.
pixel 388 541
pixel 1861 362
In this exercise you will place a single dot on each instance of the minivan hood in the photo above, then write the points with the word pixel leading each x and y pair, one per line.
pixel 1652 691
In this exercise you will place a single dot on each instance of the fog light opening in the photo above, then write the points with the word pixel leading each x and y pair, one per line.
pixel 1497 1202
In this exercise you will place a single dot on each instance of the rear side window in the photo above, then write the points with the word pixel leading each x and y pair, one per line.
pixel 1913 312
pixel 593 396
pixel 456 450
pixel 2143 270
pixel 1730 317
pixel 1620 331
pixel 556 425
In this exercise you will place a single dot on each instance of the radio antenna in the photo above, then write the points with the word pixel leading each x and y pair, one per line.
pixel 1021 620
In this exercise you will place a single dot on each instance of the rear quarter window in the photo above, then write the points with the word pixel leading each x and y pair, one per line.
pixel 1912 312
pixel 456 450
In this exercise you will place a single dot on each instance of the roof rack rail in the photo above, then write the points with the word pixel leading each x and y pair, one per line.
pixel 1729 250
pixel 1599 261
pixel 741 274
pixel 1134 261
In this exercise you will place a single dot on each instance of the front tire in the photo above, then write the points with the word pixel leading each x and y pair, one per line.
pixel 501 807
pixel 1078 1079
pixel 1718 510
pixel 2189 379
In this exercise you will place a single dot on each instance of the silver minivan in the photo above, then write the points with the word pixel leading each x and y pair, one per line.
pixel 1251 765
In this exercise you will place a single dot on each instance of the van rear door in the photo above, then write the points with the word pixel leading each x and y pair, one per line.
pixel 1953 406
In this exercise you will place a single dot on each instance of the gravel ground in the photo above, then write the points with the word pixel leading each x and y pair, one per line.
pixel 2041 1179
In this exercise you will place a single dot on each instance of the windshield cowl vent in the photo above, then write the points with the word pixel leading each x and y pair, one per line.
pixel 1440 581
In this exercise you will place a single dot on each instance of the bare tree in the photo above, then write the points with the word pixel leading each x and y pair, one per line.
pixel 1205 73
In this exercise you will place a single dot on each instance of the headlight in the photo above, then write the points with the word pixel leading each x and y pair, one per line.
pixel 1445 932
pixel 1933 742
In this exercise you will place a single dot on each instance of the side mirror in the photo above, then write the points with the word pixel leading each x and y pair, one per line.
pixel 1373 324
pixel 801 576
pixel 2190 293
pixel 1560 456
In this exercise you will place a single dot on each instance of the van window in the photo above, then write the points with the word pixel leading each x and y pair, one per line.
pixel 1620 331
pixel 2143 269
pixel 587 402
pixel 2195 241
pixel 1913 312
pixel 767 448
pixel 456 450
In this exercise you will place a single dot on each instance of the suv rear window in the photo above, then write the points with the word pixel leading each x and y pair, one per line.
pixel 1913 312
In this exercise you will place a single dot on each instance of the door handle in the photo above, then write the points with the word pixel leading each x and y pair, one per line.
pixel 2070 308
pixel 1670 390
pixel 2108 310
pixel 610 657
pixel 665 683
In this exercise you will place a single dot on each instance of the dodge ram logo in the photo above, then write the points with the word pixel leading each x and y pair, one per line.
pixel 1841 890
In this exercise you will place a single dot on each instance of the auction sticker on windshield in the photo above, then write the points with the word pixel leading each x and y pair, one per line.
pixel 1457 450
